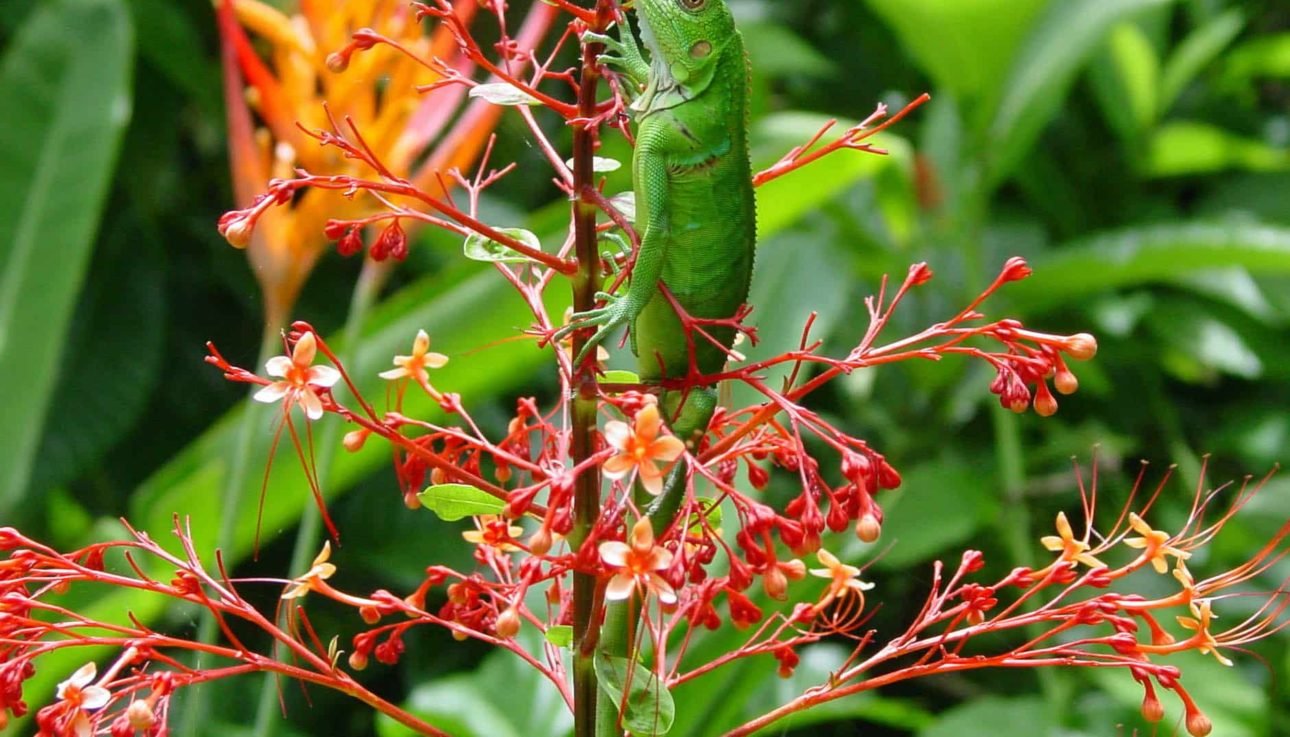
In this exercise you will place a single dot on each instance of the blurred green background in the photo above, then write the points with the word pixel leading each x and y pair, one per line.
pixel 1136 152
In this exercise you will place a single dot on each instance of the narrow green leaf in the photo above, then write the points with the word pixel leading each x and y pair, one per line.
pixel 1150 254
pixel 452 502
pixel 65 81
pixel 1043 71
pixel 1201 47
pixel 648 710
pixel 964 46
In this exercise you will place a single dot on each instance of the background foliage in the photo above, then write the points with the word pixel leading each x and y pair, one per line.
pixel 1135 151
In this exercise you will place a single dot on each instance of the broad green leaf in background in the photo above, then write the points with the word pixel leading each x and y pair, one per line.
pixel 986 717
pixel 965 47
pixel 785 200
pixel 65 82
pixel 1042 73
pixel 504 697
pixel 1187 148
pixel 1265 56
pixel 1141 255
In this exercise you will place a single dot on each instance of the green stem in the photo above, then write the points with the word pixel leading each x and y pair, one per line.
pixel 308 535
pixel 231 493
pixel 586 501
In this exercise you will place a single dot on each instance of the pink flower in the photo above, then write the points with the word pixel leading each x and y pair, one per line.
pixel 636 565
pixel 299 378
pixel 640 447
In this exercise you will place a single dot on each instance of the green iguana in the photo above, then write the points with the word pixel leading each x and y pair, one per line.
pixel 694 200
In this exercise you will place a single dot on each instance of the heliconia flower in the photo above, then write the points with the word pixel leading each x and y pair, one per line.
pixel 284 72
pixel 321 570
pixel 1203 640
pixel 299 377
pixel 414 366
pixel 641 448
pixel 1154 544
pixel 1072 550
pixel 843 579
pixel 636 564
pixel 494 531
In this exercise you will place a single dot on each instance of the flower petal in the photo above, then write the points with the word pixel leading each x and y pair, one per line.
pixel 306 347
pixel 95 697
pixel 647 422
pixel 620 587
pixel 651 478
pixel 614 553
pixel 395 373
pixel 272 392
pixel 277 366
pixel 617 434
pixel 311 404
pixel 618 466
pixel 421 344
pixel 667 448
pixel 324 376
pixel 662 589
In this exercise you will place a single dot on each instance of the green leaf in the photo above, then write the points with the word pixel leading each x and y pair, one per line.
pixel 983 717
pixel 1043 71
pixel 1265 56
pixel 1188 148
pixel 65 81
pixel 964 46
pixel 619 376
pixel 452 502
pixel 1142 255
pixel 483 248
pixel 941 504
pixel 1127 79
pixel 648 710
pixel 1201 47
pixel 560 635
pixel 503 93
pixel 712 514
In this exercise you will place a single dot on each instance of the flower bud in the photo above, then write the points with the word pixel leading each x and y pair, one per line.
pixel 1198 725
pixel 370 614
pixel 1081 346
pixel 355 439
pixel 139 715
pixel 868 528
pixel 337 62
pixel 1045 403
pixel 775 583
pixel 1065 382
pixel 508 623
pixel 1152 709
pixel 540 541
pixel 358 660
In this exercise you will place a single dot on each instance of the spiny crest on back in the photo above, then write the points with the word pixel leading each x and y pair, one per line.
pixel 689 33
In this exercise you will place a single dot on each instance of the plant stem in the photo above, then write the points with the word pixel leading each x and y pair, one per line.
pixel 235 481
pixel 586 505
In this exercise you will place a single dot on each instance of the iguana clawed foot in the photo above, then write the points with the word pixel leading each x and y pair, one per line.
pixel 614 314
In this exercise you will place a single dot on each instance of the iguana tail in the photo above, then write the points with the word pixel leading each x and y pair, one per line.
pixel 689 414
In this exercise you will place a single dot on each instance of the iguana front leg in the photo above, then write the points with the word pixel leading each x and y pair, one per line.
pixel 620 310
pixel 625 54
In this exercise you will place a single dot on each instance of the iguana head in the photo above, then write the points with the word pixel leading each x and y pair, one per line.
pixel 685 37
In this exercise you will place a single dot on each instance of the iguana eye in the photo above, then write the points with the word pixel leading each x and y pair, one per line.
pixel 692 4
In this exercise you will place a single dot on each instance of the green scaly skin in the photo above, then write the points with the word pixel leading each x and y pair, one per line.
pixel 694 205
pixel 695 215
